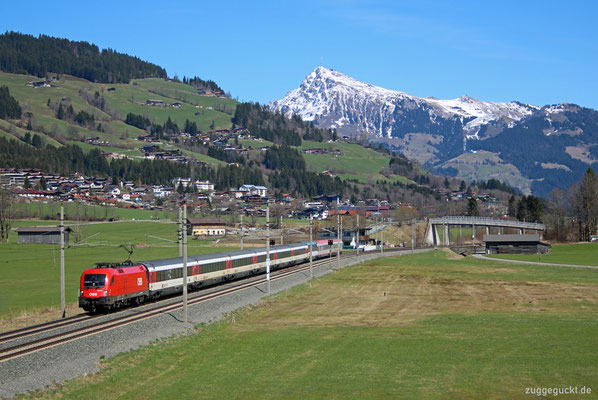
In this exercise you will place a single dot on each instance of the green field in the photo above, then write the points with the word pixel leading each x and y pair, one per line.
pixel 30 273
pixel 82 212
pixel 429 326
pixel 355 162
pixel 575 254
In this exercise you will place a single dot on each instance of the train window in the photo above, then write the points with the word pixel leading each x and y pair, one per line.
pixel 284 254
pixel 94 281
pixel 239 262
pixel 112 281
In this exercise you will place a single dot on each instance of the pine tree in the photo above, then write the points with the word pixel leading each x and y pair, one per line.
pixel 472 207
pixel 60 112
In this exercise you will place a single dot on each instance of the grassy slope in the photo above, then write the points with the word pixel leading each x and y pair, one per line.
pixel 423 326
pixel 356 162
pixel 118 133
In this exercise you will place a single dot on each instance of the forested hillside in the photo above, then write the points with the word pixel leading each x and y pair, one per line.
pixel 9 106
pixel 26 54
pixel 277 128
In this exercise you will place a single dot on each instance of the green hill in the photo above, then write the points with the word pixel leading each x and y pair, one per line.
pixel 39 109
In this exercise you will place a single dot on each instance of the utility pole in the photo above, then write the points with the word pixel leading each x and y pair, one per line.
pixel 339 241
pixel 281 231
pixel 241 231
pixel 376 225
pixel 268 246
pixel 180 233
pixel 185 265
pixel 62 301
pixel 357 237
pixel 311 224
pixel 413 235
pixel 382 237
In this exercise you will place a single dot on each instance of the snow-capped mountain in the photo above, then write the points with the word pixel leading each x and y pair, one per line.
pixel 533 148
pixel 335 100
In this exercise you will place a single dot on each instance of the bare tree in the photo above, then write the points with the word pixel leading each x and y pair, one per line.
pixel 586 205
pixel 556 217
pixel 7 211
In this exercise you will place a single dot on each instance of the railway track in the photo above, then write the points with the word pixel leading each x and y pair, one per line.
pixel 50 340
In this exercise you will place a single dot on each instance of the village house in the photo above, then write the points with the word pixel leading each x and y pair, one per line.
pixel 154 102
pixel 253 190
pixel 161 191
pixel 204 186
pixel 207 226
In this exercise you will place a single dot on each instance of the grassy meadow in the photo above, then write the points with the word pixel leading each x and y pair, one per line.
pixel 430 326
pixel 355 162
pixel 574 254
pixel 30 274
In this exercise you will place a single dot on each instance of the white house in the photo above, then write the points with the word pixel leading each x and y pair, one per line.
pixel 253 190
pixel 161 191
pixel 204 186
pixel 176 182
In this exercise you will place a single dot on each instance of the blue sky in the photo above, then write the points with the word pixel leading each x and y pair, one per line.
pixel 538 52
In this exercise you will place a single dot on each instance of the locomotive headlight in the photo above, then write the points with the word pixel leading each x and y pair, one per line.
pixel 105 293
pixel 81 293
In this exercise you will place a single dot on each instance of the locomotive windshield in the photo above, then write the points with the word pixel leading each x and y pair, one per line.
pixel 94 281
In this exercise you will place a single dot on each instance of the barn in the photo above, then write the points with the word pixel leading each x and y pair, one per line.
pixel 515 244
pixel 42 235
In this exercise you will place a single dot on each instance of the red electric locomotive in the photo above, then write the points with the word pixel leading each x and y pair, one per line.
pixel 113 285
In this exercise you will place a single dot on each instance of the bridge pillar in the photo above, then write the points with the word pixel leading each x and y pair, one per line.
pixel 487 230
pixel 473 234
pixel 521 231
pixel 431 238
pixel 446 235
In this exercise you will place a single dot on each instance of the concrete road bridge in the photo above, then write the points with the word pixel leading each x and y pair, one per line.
pixel 432 237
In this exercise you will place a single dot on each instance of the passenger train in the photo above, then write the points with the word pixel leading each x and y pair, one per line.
pixel 109 286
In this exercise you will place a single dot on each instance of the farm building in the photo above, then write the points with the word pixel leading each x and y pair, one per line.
pixel 207 226
pixel 515 244
pixel 42 235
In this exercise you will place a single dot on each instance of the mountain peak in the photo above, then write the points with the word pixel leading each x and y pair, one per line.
pixel 339 101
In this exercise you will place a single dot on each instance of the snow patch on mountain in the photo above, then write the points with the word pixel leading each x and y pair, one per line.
pixel 338 101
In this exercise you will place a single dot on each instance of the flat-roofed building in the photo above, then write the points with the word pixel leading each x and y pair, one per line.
pixel 515 244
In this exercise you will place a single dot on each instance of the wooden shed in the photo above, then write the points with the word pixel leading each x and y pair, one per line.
pixel 515 244
pixel 42 235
